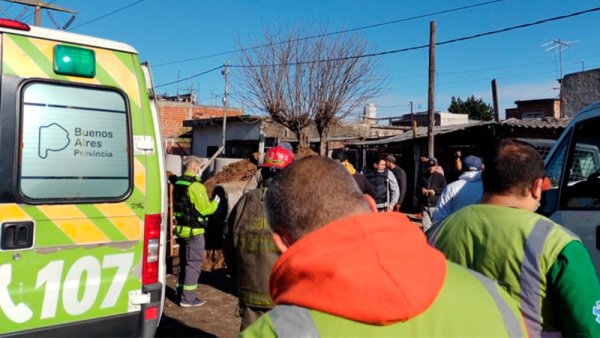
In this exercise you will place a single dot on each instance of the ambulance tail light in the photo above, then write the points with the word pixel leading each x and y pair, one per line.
pixel 12 24
pixel 151 249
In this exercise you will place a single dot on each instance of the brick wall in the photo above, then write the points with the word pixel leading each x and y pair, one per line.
pixel 172 114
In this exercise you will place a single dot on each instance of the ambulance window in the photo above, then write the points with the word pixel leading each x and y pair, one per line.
pixel 583 172
pixel 74 143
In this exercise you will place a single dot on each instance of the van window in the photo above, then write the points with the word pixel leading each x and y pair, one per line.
pixel 583 182
pixel 557 162
pixel 74 143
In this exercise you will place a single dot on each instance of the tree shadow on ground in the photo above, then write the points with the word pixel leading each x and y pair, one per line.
pixel 170 327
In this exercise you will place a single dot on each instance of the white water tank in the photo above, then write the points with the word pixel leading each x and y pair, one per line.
pixel 369 113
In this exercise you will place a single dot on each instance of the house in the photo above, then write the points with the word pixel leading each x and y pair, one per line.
pixel 245 134
pixel 540 108
pixel 175 110
pixel 422 118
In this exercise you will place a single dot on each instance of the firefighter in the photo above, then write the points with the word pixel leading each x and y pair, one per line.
pixel 249 251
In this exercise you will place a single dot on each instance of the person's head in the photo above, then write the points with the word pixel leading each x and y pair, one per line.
pixel 193 164
pixel 275 160
pixel 472 163
pixel 515 171
pixel 310 193
pixel 379 164
pixel 431 164
pixel 390 161
pixel 340 155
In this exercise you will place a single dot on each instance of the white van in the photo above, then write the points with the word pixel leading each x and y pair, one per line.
pixel 573 167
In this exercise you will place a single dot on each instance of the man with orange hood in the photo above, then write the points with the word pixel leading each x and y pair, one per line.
pixel 348 271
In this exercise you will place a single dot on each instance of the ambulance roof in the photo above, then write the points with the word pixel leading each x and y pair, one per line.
pixel 62 36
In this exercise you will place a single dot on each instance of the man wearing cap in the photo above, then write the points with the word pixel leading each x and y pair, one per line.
pixel 390 162
pixel 465 191
pixel 430 186
pixel 249 251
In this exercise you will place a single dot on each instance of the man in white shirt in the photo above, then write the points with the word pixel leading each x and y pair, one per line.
pixel 465 191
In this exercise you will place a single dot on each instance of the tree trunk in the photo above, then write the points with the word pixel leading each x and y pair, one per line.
pixel 303 141
pixel 323 137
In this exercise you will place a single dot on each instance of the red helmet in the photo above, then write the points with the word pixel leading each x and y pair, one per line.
pixel 278 158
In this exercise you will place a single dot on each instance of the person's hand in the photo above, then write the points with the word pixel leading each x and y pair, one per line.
pixel 457 153
pixel 217 199
pixel 390 207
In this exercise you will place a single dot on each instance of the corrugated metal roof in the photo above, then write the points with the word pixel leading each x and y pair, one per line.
pixel 422 132
pixel 537 123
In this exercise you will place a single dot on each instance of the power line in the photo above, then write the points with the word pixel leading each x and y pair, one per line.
pixel 465 38
pixel 189 77
pixel 470 37
pixel 334 33
pixel 108 14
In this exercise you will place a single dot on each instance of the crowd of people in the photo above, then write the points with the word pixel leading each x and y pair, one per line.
pixel 321 249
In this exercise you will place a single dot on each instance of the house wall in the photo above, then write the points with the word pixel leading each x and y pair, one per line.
pixel 210 135
pixel 535 109
pixel 579 90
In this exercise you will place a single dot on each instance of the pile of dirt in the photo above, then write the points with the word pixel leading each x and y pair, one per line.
pixel 304 152
pixel 238 171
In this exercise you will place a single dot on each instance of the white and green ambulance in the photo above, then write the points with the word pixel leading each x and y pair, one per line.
pixel 82 187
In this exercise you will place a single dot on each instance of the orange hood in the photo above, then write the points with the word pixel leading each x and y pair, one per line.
pixel 372 268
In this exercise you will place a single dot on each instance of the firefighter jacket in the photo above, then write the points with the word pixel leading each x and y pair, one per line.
pixel 249 250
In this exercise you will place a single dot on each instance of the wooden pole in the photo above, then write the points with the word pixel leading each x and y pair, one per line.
pixel 39 5
pixel 495 98
pixel 431 91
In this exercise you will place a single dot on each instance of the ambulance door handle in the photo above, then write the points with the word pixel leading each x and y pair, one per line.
pixel 16 235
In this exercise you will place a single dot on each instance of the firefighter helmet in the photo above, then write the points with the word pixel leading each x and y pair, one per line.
pixel 277 158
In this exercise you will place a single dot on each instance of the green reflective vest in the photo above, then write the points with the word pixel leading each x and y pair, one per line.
pixel 468 305
pixel 513 246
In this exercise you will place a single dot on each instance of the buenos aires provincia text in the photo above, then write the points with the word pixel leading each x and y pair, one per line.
pixel 89 143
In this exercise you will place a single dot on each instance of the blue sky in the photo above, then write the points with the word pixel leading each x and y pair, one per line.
pixel 165 32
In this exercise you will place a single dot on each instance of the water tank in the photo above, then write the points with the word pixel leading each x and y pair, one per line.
pixel 369 113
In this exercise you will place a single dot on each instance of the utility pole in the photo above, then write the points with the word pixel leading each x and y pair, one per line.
pixel 431 92
pixel 226 73
pixel 495 99
pixel 39 5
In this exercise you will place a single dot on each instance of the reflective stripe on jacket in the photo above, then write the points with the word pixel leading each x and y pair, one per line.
pixel 455 312
pixel 513 246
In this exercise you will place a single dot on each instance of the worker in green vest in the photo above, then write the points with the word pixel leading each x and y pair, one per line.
pixel 191 208
pixel 544 267
pixel 348 271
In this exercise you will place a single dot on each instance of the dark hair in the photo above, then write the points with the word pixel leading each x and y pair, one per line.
pixel 340 155
pixel 512 168
pixel 309 194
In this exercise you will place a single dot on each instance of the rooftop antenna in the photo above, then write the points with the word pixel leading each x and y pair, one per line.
pixel 556 46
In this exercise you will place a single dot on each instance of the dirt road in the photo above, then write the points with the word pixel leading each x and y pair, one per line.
pixel 217 318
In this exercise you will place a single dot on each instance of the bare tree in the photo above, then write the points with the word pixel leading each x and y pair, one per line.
pixel 345 81
pixel 299 80
pixel 273 80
